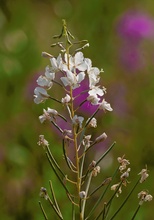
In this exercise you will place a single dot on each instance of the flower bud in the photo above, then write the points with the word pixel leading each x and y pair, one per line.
pixel 82 194
pixel 46 55
pixel 101 138
pixel 43 193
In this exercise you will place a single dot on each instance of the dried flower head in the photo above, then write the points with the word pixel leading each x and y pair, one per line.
pixel 123 163
pixel 86 141
pixel 42 141
pixel 116 187
pixel 43 193
pixel 92 123
pixel 92 165
pixel 96 170
pixel 144 197
pixel 144 175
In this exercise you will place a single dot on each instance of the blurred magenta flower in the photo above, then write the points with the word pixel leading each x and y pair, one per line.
pixel 133 27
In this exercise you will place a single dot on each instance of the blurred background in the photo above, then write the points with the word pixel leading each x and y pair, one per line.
pixel 121 38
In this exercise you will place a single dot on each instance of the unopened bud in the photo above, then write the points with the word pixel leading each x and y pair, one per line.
pixel 46 55
pixel 82 194
pixel 43 193
pixel 101 138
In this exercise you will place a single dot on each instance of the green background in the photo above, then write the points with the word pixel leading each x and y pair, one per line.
pixel 26 29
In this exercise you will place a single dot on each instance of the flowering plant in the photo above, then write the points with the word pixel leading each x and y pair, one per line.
pixel 68 71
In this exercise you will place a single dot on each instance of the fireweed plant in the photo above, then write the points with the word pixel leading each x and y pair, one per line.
pixel 68 71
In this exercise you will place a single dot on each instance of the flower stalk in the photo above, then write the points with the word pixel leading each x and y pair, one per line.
pixel 69 71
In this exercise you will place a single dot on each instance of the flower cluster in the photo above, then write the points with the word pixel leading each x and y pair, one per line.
pixel 70 72
pixel 74 70
pixel 124 174
pixel 144 197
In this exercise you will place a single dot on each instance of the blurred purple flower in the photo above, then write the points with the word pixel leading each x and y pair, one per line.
pixel 131 58
pixel 134 27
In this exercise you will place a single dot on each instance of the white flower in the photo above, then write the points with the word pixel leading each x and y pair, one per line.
pixel 93 95
pixel 92 123
pixel 46 81
pixel 76 62
pixel 95 90
pixel 88 63
pixel 40 95
pixel 93 76
pixel 72 79
pixel 77 120
pixel 93 73
pixel 105 106
pixel 94 100
pixel 66 99
pixel 48 114
pixel 50 75
pixel 56 63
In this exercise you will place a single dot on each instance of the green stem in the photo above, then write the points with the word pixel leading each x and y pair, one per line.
pixel 54 161
pixel 86 195
pixel 43 211
pixel 54 198
pixel 55 209
pixel 124 202
pixel 107 206
pixel 135 212
pixel 58 176
pixel 106 152
pixel 102 195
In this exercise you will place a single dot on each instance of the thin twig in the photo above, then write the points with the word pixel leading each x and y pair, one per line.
pixel 43 211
